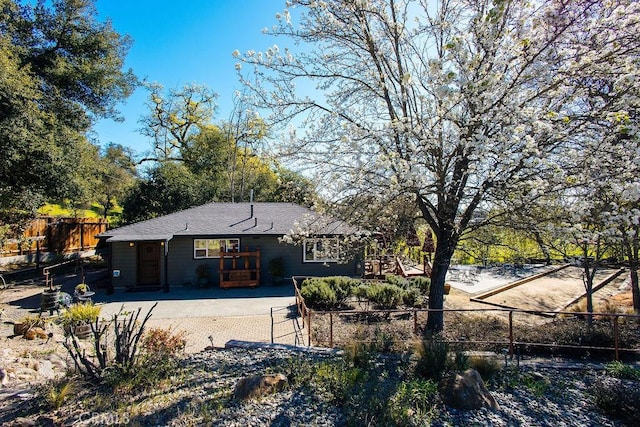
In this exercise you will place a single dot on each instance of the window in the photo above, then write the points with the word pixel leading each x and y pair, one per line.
pixel 321 250
pixel 210 248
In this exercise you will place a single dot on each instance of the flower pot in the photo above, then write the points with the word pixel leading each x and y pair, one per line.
pixel 21 328
pixel 49 300
pixel 447 288
pixel 81 330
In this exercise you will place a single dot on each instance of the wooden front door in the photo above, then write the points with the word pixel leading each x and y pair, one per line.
pixel 149 263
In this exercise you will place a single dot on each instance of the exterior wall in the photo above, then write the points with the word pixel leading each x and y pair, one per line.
pixel 182 265
pixel 124 264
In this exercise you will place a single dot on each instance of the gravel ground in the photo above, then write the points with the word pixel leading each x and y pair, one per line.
pixel 202 396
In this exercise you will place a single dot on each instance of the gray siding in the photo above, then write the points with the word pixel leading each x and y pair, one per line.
pixel 124 258
pixel 182 265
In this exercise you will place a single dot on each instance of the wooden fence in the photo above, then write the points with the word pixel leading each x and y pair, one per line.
pixel 58 235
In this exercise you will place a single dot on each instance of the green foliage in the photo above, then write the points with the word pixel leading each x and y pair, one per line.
pixel 414 403
pixel 398 281
pixel 342 286
pixel 384 295
pixel 335 292
pixel 621 370
pixel 422 283
pixel 57 392
pixel 487 367
pixel 432 358
pixel 619 399
pixel 84 312
pixel 59 67
pixel 412 297
pixel 318 294
pixel 169 187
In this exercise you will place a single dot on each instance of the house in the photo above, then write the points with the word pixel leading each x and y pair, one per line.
pixel 228 245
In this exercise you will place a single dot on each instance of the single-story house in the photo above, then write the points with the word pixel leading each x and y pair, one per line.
pixel 227 245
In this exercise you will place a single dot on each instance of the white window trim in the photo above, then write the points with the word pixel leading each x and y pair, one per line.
pixel 212 255
pixel 313 240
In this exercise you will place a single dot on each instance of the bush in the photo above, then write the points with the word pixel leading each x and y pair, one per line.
pixel 318 294
pixel 422 283
pixel 620 370
pixel 343 287
pixel 384 295
pixel 414 403
pixel 618 398
pixel 432 353
pixel 486 367
pixel 399 281
pixel 159 359
pixel 411 297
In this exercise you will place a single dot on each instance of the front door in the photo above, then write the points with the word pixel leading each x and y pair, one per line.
pixel 149 264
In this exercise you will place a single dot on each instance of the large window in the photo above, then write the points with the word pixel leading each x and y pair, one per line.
pixel 210 248
pixel 321 250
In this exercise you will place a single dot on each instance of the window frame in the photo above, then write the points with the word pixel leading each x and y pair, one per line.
pixel 334 258
pixel 209 253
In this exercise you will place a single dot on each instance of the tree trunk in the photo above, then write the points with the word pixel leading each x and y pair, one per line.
pixel 543 247
pixel 442 260
pixel 633 250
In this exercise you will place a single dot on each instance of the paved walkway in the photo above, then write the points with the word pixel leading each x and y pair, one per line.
pixel 209 317
pixel 213 316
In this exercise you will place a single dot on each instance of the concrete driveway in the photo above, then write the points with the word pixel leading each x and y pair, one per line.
pixel 208 317
pixel 213 316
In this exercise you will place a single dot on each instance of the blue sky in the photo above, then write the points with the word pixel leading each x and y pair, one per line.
pixel 177 43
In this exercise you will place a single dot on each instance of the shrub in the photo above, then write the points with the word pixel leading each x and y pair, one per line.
pixel 620 370
pixel 318 294
pixel 422 283
pixel 487 367
pixel 342 286
pixel 102 360
pixel 618 398
pixel 411 297
pixel 384 295
pixel 82 312
pixel 432 353
pixel 159 359
pixel 414 403
pixel 399 281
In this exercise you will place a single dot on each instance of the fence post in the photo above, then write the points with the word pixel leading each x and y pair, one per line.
pixel 309 326
pixel 271 325
pixel 330 330
pixel 511 333
pixel 616 337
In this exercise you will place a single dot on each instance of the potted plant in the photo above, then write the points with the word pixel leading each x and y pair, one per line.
pixel 22 326
pixel 276 269
pixel 77 319
pixel 202 274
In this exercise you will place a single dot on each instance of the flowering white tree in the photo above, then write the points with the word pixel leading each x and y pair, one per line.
pixel 457 103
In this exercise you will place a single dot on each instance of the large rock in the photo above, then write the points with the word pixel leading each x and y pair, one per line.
pixel 259 385
pixel 466 391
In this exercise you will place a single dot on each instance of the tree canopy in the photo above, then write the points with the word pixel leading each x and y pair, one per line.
pixel 457 103
pixel 59 69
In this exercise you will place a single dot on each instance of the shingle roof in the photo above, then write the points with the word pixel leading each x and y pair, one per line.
pixel 228 219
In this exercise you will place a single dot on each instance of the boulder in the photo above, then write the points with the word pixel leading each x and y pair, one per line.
pixel 466 391
pixel 257 386
pixel 45 369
